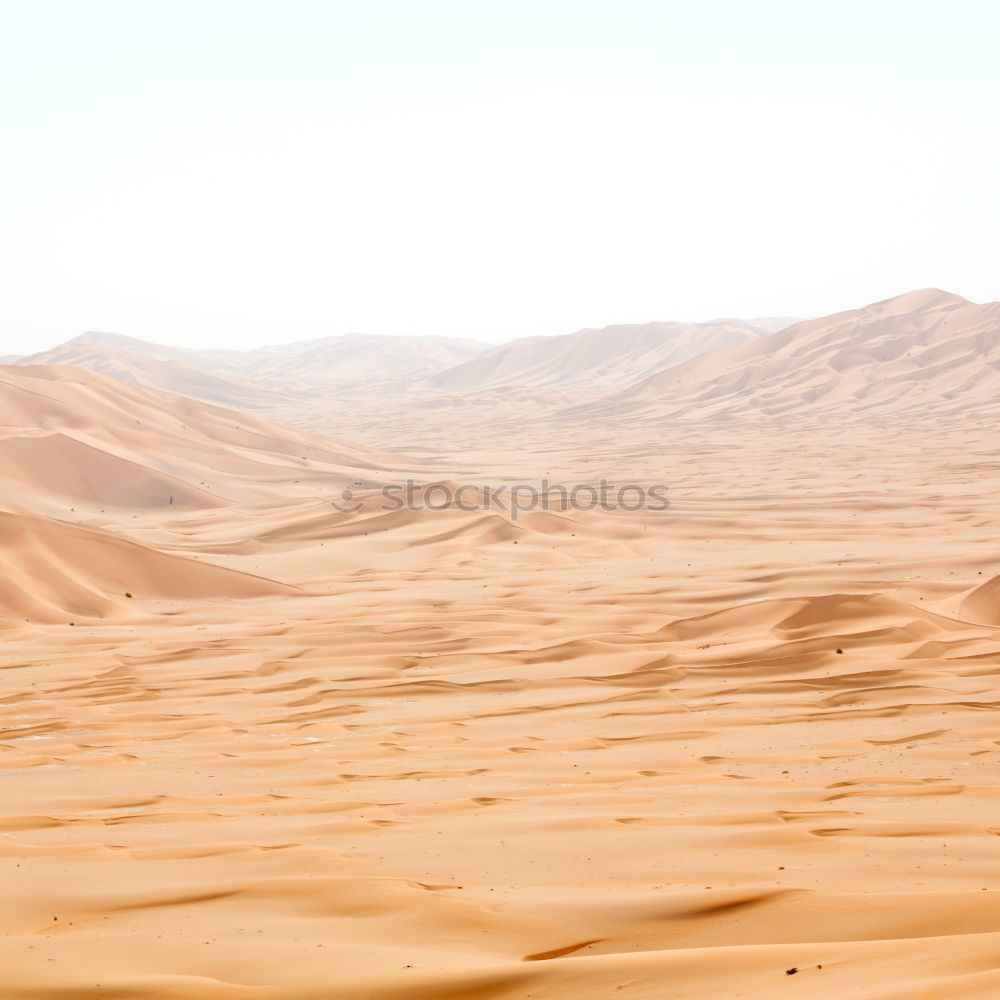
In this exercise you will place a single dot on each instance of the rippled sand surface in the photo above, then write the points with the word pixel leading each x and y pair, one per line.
pixel 746 748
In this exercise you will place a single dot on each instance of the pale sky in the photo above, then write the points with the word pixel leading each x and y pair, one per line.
pixel 233 172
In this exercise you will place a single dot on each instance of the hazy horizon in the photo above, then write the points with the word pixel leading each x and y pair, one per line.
pixel 192 334
pixel 269 334
pixel 213 171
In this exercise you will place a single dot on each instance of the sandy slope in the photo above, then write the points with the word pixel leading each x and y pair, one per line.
pixel 349 359
pixel 95 442
pixel 148 371
pixel 612 356
pixel 622 754
pixel 248 377
pixel 62 573
pixel 926 351
pixel 412 754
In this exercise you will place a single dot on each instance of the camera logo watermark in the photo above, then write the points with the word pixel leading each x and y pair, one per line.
pixel 511 499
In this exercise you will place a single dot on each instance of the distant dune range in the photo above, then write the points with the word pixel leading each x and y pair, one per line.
pixel 131 363
pixel 255 746
pixel 928 351
pixel 613 356
pixel 257 377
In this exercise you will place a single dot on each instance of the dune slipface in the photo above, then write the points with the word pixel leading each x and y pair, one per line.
pixel 56 572
pixel 743 747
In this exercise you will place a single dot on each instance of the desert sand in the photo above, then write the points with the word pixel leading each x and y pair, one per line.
pixel 254 747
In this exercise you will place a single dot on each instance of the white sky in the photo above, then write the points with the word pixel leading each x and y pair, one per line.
pixel 232 172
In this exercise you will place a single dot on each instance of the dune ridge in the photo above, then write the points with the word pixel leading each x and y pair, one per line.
pixel 614 355
pixel 923 352
pixel 163 371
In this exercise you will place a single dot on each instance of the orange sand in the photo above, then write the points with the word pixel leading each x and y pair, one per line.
pixel 445 755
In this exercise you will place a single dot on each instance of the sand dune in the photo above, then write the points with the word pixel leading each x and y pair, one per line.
pixel 118 343
pixel 56 573
pixel 348 359
pixel 82 427
pixel 678 755
pixel 983 604
pixel 746 746
pixel 138 367
pixel 927 351
pixel 259 377
pixel 615 355
pixel 47 471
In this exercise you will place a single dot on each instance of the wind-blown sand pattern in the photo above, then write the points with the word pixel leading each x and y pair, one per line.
pixel 256 748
